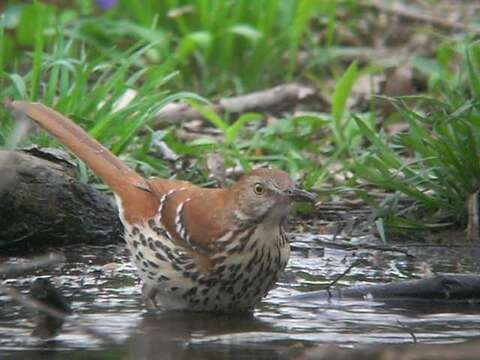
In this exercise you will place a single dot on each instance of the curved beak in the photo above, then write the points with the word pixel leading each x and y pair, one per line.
pixel 300 195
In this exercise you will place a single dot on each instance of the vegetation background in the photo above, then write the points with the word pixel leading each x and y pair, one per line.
pixel 391 121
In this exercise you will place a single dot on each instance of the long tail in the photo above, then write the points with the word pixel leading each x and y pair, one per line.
pixel 137 200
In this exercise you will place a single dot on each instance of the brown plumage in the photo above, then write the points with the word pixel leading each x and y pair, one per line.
pixel 195 248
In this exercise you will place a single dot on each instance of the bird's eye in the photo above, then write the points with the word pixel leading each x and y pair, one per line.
pixel 258 188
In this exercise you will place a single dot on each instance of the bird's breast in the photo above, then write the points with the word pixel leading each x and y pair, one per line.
pixel 246 264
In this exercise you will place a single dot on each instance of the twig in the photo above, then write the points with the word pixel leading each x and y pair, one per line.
pixel 400 10
pixel 339 277
pixel 408 330
pixel 40 261
pixel 338 229
pixel 34 304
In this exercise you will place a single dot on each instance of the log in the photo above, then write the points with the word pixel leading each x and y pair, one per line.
pixel 42 203
pixel 274 101
pixel 443 288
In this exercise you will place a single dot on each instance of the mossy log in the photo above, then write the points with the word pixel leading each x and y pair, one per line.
pixel 42 203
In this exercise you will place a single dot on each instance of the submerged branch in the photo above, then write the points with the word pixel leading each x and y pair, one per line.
pixel 41 307
pixel 447 289
pixel 39 261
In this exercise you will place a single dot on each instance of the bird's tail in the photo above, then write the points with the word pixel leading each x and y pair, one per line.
pixel 137 200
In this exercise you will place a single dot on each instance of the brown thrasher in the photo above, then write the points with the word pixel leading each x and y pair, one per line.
pixel 195 248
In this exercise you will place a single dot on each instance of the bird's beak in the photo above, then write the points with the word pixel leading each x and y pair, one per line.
pixel 300 195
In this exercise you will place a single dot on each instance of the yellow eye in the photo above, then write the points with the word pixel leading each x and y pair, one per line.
pixel 258 189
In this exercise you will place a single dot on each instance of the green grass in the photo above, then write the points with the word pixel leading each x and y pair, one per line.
pixel 91 92
pixel 436 162
pixel 216 45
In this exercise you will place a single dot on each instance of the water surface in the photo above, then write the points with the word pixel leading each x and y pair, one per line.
pixel 105 295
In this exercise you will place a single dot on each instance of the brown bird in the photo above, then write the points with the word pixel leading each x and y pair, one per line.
pixel 195 248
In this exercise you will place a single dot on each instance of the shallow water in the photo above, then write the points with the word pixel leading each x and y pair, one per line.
pixel 281 327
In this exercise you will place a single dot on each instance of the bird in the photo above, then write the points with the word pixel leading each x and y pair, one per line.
pixel 195 249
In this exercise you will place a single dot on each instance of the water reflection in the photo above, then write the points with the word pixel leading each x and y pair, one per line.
pixel 178 335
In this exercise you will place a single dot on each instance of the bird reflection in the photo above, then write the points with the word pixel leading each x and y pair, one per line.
pixel 171 335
